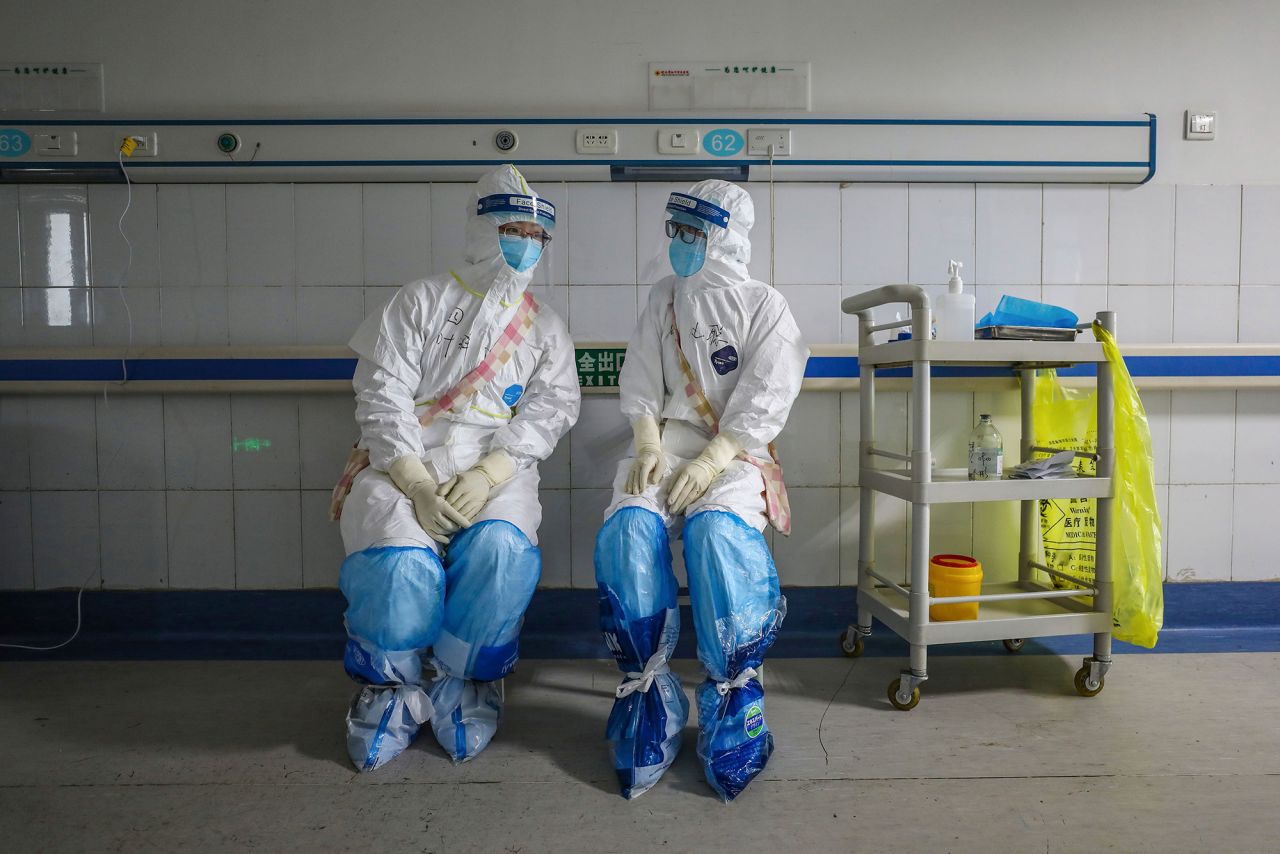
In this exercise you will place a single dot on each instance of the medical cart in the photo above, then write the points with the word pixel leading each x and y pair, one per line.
pixel 1009 612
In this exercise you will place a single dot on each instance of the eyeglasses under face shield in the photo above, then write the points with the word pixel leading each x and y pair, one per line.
pixel 525 229
pixel 687 232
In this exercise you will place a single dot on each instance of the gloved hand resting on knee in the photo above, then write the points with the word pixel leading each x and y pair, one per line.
pixel 695 476
pixel 467 493
pixel 435 515
pixel 650 464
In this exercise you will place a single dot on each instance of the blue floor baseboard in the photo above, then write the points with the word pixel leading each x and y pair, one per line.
pixel 307 624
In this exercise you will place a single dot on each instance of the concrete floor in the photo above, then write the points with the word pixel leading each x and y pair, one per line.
pixel 1179 753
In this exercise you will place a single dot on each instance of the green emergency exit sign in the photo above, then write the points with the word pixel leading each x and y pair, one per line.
pixel 598 367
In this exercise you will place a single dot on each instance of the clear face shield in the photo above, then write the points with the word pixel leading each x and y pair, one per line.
pixel 680 248
pixel 523 233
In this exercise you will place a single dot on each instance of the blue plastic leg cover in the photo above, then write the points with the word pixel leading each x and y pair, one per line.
pixel 641 622
pixel 395 599
pixel 491 570
pixel 737 610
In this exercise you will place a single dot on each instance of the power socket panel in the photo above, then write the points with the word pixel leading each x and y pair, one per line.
pixel 61 144
pixel 148 144
pixel 759 140
pixel 597 141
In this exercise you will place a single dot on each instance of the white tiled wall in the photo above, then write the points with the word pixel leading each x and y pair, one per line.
pixel 1075 234
pixel 167 490
pixel 1008 234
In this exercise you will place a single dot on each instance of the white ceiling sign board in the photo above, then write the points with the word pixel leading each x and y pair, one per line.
pixel 51 87
pixel 755 85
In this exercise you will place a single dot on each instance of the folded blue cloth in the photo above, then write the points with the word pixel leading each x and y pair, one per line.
pixel 1013 311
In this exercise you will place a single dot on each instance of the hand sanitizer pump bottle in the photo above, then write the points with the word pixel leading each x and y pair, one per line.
pixel 955 311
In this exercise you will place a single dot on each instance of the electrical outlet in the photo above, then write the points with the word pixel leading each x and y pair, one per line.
pixel 147 144
pixel 1201 125
pixel 759 140
pixel 597 141
pixel 678 141
pixel 63 144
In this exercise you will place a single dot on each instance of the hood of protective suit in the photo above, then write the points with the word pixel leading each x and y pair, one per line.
pixel 483 248
pixel 728 249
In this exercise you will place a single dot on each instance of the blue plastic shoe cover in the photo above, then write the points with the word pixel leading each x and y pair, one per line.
pixel 395 596
pixel 383 721
pixel 645 730
pixel 491 570
pixel 641 623
pixel 738 609
pixel 734 742
pixel 465 715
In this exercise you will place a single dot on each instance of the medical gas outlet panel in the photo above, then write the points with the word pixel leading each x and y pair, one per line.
pixel 792 148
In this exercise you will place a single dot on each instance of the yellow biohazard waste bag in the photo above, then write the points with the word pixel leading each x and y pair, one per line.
pixel 1066 418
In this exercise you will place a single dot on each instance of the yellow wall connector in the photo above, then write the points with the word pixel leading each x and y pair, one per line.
pixel 128 145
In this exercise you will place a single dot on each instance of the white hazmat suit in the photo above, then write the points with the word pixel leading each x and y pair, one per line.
pixel 416 578
pixel 746 353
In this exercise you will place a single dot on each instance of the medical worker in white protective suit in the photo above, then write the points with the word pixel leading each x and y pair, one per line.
pixel 710 375
pixel 464 384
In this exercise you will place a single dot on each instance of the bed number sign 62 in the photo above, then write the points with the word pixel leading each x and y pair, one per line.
pixel 723 142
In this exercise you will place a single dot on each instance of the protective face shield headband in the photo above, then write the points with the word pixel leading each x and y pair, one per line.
pixel 510 207
pixel 700 208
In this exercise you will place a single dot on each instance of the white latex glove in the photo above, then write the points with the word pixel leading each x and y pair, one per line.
pixel 434 514
pixel 468 492
pixel 650 463
pixel 695 476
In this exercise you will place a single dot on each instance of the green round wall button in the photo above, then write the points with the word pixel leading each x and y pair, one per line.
pixel 228 143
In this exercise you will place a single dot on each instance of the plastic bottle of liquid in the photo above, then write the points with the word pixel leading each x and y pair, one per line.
pixel 986 451
pixel 955 309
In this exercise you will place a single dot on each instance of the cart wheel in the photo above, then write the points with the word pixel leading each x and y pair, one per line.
pixel 851 648
pixel 1083 688
pixel 1014 644
pixel 898 704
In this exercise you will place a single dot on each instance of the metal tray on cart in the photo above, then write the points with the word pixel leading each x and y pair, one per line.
pixel 1023 333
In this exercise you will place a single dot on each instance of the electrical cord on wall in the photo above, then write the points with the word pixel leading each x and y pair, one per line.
pixel 74 634
pixel 772 246
pixel 125 148
pixel 128 265
pixel 252 157
pixel 119 287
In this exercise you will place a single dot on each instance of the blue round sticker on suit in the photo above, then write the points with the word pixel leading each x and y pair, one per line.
pixel 512 394
pixel 724 360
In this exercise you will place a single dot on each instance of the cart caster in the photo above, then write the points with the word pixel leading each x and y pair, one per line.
pixel 1086 685
pixel 1014 644
pixel 851 643
pixel 894 687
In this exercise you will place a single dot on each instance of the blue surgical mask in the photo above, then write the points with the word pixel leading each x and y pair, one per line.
pixel 521 252
pixel 687 258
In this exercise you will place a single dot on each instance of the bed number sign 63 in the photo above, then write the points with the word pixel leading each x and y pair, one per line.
pixel 13 143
